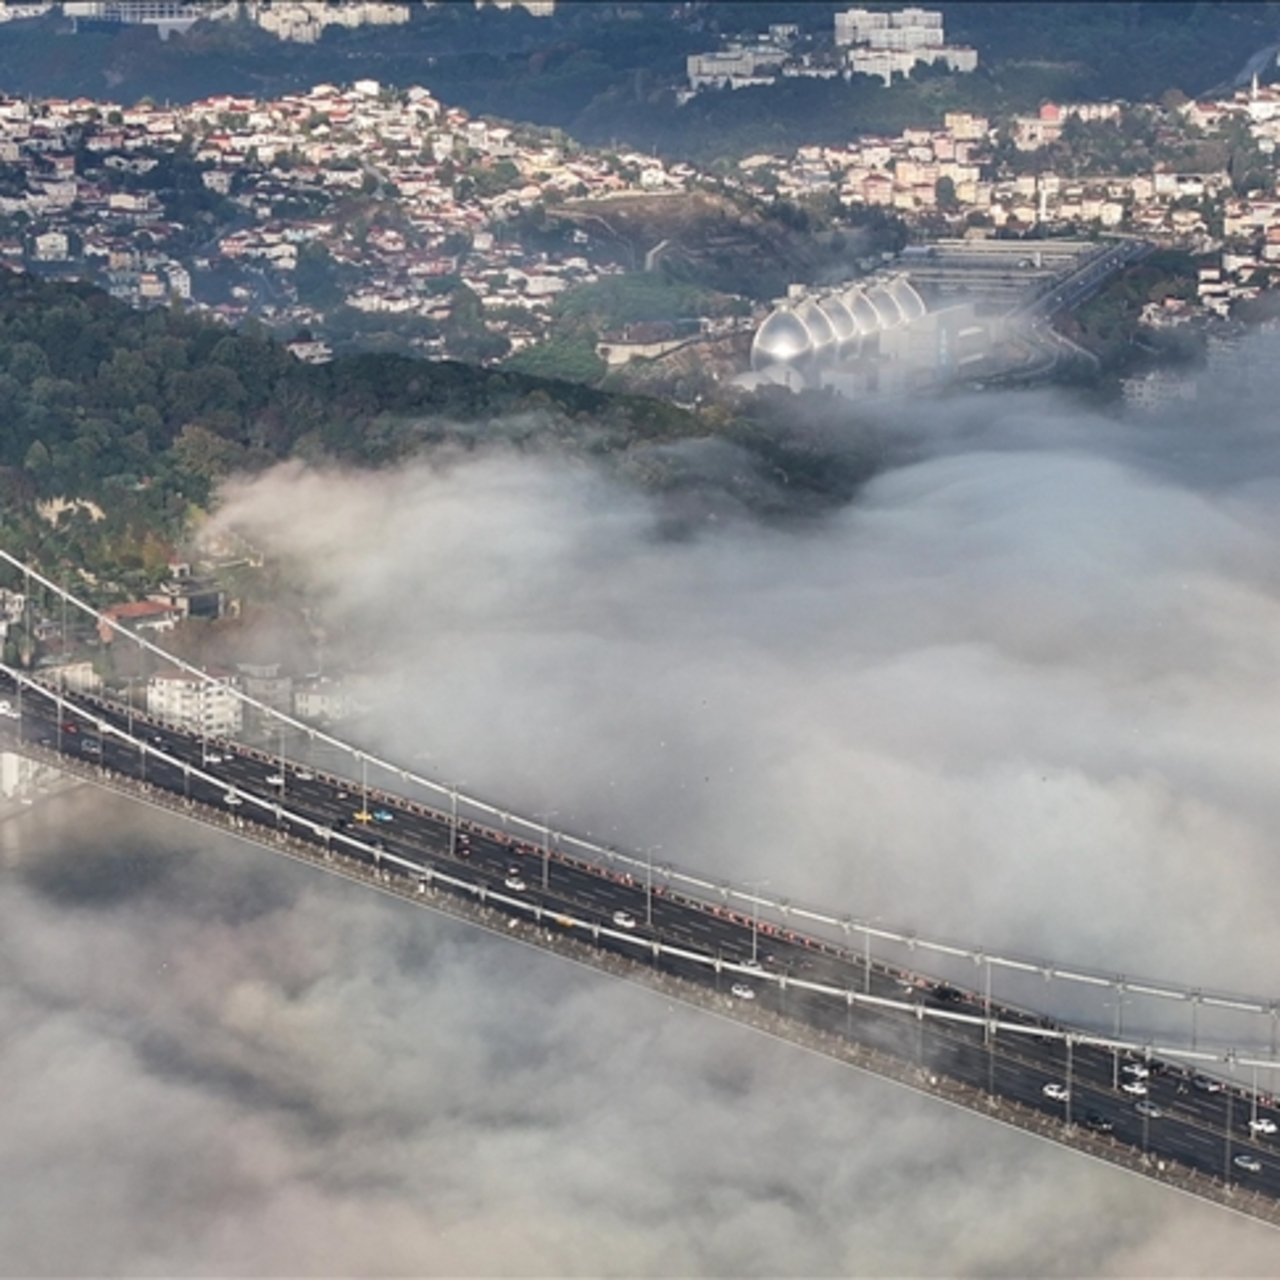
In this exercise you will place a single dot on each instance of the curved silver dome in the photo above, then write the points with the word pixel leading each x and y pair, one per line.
pixel 842 323
pixel 863 313
pixel 885 307
pixel 910 304
pixel 782 339
pixel 824 336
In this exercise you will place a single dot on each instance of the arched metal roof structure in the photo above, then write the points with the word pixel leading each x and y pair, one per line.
pixel 910 303
pixel 843 325
pixel 783 339
pixel 887 310
pixel 818 332
pixel 863 312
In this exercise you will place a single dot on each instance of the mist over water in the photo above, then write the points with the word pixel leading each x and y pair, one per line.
pixel 1020 691
pixel 220 1064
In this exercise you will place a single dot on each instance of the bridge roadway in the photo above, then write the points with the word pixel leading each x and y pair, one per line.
pixel 1001 1054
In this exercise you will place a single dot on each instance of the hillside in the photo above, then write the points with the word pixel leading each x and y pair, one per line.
pixel 605 73
pixel 141 413
pixel 135 416
pixel 731 243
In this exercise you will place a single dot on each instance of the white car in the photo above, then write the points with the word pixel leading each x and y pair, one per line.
pixel 624 920
pixel 304 775
pixel 1251 1164
pixel 275 780
pixel 1058 1092
pixel 212 757
pixel 515 883
pixel 1148 1109
pixel 1263 1124
pixel 1136 1070
pixel 743 991
pixel 232 799
pixel 1136 1087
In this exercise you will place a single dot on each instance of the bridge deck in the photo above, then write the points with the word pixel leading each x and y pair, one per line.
pixel 936 1039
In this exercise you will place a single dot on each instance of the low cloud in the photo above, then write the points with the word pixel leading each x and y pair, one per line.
pixel 1016 693
pixel 306 1079
pixel 1019 691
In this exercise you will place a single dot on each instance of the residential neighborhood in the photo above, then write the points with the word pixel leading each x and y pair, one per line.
pixel 387 202
pixel 268 230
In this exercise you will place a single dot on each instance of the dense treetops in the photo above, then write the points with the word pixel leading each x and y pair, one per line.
pixel 134 417
pixel 142 412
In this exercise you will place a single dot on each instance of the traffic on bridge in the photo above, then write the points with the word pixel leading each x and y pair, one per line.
pixel 1139 1105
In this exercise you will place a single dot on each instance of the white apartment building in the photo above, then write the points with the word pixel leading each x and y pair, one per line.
pixel 179 279
pixel 885 63
pixel 1158 390
pixel 859 26
pixel 74 677
pixel 884 43
pixel 205 706
pixel 734 66
pixel 905 38
pixel 304 21
pixel 853 25
pixel 20 12
pixel 321 700
pixel 51 246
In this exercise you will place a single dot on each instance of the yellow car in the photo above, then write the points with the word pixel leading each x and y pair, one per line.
pixel 362 815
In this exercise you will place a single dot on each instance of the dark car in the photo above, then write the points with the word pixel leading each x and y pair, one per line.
pixel 1099 1124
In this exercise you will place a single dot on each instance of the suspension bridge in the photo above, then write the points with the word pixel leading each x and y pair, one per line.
pixel 1173 1083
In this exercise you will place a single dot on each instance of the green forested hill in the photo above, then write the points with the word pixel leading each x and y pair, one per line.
pixel 142 412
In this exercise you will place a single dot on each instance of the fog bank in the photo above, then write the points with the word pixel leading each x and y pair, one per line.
pixel 1020 692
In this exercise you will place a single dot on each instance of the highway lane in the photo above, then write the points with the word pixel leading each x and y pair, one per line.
pixel 1202 1130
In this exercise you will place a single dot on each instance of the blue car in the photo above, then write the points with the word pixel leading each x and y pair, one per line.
pixel 382 815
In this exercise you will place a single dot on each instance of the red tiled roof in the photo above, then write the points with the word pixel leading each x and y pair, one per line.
pixel 137 609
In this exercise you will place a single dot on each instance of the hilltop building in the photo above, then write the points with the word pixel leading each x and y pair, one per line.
pixel 886 43
pixel 736 66
pixel 166 16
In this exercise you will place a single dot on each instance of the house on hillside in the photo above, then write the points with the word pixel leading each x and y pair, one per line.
pixel 140 616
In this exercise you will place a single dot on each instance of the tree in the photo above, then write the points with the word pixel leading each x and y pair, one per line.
pixel 316 277
pixel 27 362
pixel 38 461
pixel 572 359
pixel 204 455
pixel 945 190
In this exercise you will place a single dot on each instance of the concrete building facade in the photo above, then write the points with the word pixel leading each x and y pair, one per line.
pixel 203 706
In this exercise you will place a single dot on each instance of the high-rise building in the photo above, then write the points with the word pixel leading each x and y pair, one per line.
pixel 886 43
